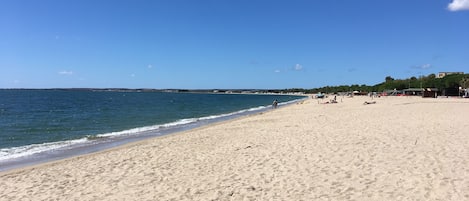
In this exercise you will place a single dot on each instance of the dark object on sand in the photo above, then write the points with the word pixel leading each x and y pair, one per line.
pixel 367 103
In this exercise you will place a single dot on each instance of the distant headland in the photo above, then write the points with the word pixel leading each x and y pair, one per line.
pixel 449 82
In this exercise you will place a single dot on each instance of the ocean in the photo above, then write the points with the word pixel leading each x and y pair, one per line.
pixel 43 125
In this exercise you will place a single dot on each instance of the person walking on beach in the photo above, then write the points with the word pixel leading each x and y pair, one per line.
pixel 275 103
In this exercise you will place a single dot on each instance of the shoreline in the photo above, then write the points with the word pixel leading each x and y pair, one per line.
pixel 399 148
pixel 101 143
pixel 135 143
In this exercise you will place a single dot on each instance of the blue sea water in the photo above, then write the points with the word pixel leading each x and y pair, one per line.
pixel 36 121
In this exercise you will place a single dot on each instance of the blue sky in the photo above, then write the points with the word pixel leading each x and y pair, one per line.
pixel 202 44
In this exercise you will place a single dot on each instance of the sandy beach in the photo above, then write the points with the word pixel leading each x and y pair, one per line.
pixel 401 148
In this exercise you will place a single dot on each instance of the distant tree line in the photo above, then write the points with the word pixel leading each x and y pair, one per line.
pixel 429 81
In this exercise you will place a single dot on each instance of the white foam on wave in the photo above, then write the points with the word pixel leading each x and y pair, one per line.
pixel 233 113
pixel 134 131
pixel 27 150
pixel 180 122
pixel 292 101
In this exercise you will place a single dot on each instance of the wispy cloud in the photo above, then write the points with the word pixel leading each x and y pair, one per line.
pixel 132 75
pixel 150 66
pixel 458 5
pixel 423 67
pixel 65 72
pixel 298 67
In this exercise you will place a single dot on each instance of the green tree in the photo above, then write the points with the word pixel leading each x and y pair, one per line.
pixel 389 79
pixel 464 83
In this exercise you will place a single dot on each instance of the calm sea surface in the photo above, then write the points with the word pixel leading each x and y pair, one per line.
pixel 34 121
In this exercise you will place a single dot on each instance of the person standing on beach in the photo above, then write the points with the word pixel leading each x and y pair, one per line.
pixel 275 103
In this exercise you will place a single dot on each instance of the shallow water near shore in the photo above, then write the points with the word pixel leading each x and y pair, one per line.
pixel 44 125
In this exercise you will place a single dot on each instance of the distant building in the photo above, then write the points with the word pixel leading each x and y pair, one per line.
pixel 430 93
pixel 443 74
pixel 413 92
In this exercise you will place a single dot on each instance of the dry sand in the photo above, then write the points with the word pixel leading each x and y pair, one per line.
pixel 400 148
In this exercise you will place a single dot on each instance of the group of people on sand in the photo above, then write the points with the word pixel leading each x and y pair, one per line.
pixel 331 101
pixel 334 100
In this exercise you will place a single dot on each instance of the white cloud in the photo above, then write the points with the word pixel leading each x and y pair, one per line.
pixel 298 67
pixel 423 67
pixel 458 5
pixel 150 66
pixel 426 66
pixel 277 71
pixel 132 75
pixel 66 72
